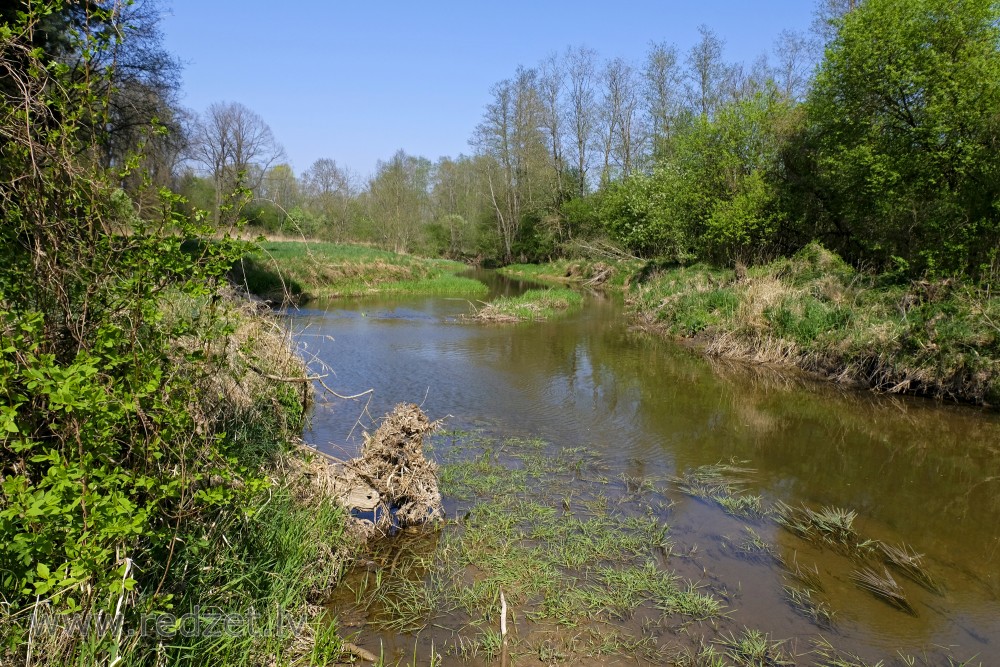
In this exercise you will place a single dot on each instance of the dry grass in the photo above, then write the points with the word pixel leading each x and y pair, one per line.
pixel 815 312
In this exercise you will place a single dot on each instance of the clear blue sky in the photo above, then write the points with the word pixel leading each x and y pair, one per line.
pixel 356 81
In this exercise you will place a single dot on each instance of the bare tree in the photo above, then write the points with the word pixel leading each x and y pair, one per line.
pixel 551 84
pixel 827 15
pixel 581 69
pixel 707 73
pixel 662 81
pixel 329 192
pixel 236 148
pixel 619 114
pixel 510 135
pixel 796 57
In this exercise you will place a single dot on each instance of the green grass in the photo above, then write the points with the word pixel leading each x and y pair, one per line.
pixel 564 553
pixel 813 311
pixel 301 270
pixel 536 304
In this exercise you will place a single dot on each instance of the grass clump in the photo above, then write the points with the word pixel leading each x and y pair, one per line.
pixel 813 311
pixel 805 601
pixel 300 270
pixel 832 525
pixel 535 304
pixel 753 648
pixel 723 485
pixel 883 586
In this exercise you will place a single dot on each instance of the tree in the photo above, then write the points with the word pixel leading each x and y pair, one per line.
pixel 795 55
pixel 398 200
pixel 662 80
pixel 551 82
pixel 827 17
pixel 458 203
pixel 707 73
pixel 619 119
pixel 905 130
pixel 236 147
pixel 329 194
pixel 516 173
pixel 581 115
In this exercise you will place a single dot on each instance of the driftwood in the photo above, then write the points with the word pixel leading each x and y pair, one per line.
pixel 391 484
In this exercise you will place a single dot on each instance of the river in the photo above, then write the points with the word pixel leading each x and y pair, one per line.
pixel 915 471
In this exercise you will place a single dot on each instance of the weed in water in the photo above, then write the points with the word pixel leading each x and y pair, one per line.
pixel 804 600
pixel 750 507
pixel 753 648
pixel 909 563
pixel 754 548
pixel 882 586
pixel 825 655
pixel 832 525
pixel 805 575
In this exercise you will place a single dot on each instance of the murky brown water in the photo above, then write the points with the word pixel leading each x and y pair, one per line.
pixel 914 471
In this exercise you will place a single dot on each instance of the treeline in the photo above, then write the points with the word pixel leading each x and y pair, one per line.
pixel 876 136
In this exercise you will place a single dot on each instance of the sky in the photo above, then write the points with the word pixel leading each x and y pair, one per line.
pixel 357 81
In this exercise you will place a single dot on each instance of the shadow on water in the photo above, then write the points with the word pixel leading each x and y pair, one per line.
pixel 915 472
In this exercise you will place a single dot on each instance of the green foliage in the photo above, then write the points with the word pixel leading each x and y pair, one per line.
pixel 121 436
pixel 712 196
pixel 905 127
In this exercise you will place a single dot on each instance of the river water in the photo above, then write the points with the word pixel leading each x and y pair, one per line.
pixel 915 471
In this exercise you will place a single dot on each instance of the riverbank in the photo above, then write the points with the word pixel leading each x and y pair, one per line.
pixel 298 271
pixel 241 532
pixel 813 311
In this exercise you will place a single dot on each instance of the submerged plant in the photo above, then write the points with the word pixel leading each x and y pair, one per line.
pixel 754 548
pixel 832 525
pixel 882 586
pixel 804 601
pixel 909 563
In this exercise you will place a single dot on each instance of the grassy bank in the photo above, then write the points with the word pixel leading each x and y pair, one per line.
pixel 814 311
pixel 302 270
pixel 533 305
pixel 244 535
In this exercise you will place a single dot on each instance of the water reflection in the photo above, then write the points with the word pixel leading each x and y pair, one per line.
pixel 915 471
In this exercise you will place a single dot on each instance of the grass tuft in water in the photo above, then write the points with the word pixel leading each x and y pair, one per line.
pixel 723 484
pixel 882 586
pixel 753 547
pixel 825 655
pixel 909 563
pixel 832 525
pixel 753 648
pixel 804 600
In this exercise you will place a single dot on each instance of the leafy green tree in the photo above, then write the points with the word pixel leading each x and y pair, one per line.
pixel 904 118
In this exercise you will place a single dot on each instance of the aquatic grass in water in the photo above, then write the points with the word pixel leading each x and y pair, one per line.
pixel 754 548
pixel 723 484
pixel 753 648
pixel 832 525
pixel 805 601
pixel 883 586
